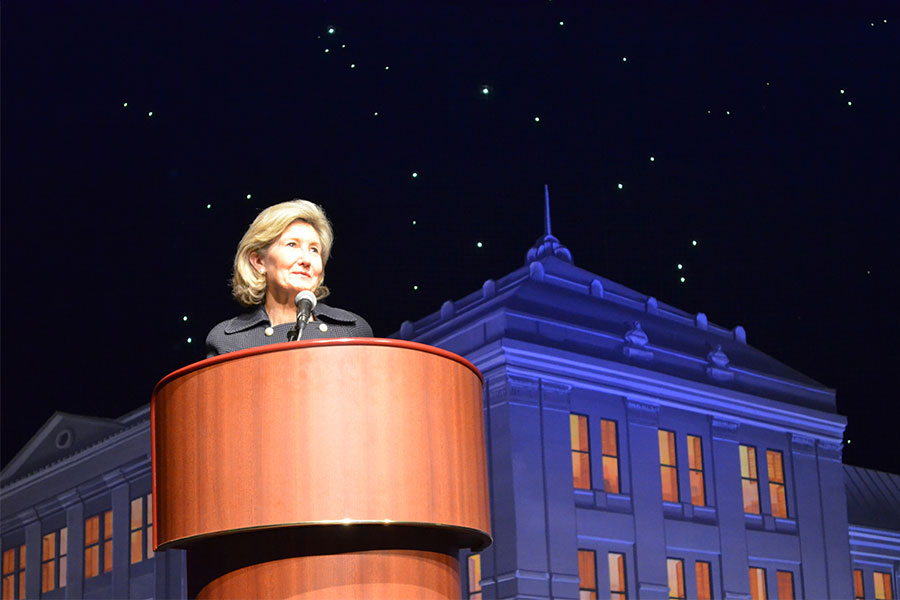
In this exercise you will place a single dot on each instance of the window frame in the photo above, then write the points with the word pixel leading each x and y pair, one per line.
pixel 670 469
pixel 473 576
pixel 144 530
pixel 778 584
pixel 578 467
pixel 777 487
pixel 698 470
pixel 610 459
pixel 763 588
pixel 709 581
pixel 16 574
pixel 103 544
pixel 622 575
pixel 585 591
pixel 749 476
pixel 59 561
pixel 678 565
pixel 859 586
pixel 887 577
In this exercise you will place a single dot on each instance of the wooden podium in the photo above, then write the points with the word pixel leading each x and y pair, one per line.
pixel 345 468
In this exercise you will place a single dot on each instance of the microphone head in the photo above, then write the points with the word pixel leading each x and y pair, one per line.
pixel 308 296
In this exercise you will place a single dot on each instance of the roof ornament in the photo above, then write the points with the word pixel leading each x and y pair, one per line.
pixel 547 245
pixel 636 343
pixel 718 365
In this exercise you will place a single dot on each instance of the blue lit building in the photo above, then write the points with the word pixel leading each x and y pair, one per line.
pixel 640 451
pixel 635 451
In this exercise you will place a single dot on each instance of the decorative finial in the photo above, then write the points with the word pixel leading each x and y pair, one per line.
pixel 547 209
pixel 547 245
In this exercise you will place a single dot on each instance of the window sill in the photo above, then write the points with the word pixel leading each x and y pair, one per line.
pixel 600 500
pixel 688 512
pixel 770 523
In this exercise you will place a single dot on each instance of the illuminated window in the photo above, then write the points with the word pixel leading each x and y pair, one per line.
pixel 54 560
pixel 581 451
pixel 757 583
pixel 858 591
pixel 14 572
pixel 676 578
pixel 617 588
pixel 668 467
pixel 704 586
pixel 98 544
pixel 749 479
pixel 785 581
pixel 695 464
pixel 141 528
pixel 474 577
pixel 776 483
pixel 610 447
pixel 587 572
pixel 883 588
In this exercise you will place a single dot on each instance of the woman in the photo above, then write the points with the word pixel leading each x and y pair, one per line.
pixel 283 252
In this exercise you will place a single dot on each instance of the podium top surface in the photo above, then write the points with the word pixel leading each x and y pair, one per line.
pixel 318 434
pixel 287 346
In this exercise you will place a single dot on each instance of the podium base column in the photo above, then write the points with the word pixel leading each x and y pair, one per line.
pixel 370 574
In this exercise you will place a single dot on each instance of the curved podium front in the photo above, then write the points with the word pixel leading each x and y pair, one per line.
pixel 347 468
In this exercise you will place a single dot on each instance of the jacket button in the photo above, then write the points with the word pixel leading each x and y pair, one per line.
pixel 323 327
pixel 269 331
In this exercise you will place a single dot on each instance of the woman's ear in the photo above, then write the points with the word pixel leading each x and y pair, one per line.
pixel 257 263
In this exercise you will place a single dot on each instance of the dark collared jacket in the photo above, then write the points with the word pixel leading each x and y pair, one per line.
pixel 249 329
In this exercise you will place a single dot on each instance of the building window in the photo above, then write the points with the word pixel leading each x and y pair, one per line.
pixel 858 590
pixel 587 573
pixel 581 451
pixel 676 578
pixel 617 588
pixel 749 479
pixel 54 560
pixel 474 577
pixel 785 580
pixel 610 447
pixel 695 464
pixel 757 583
pixel 777 495
pixel 668 466
pixel 98 544
pixel 704 585
pixel 141 528
pixel 14 572
pixel 883 588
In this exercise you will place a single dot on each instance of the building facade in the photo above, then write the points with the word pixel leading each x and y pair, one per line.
pixel 637 451
pixel 77 511
pixel 634 451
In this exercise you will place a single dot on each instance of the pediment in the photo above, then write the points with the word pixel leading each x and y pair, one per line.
pixel 62 435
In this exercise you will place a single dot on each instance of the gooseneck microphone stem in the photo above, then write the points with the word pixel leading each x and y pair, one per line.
pixel 305 302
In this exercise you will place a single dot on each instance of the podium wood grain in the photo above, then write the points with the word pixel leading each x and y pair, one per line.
pixel 330 433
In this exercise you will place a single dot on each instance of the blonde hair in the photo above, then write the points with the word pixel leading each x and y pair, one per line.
pixel 249 285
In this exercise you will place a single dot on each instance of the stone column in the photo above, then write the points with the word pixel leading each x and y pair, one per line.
pixel 559 503
pixel 726 463
pixel 519 565
pixel 836 529
pixel 121 507
pixel 74 508
pixel 807 496
pixel 646 488
pixel 32 554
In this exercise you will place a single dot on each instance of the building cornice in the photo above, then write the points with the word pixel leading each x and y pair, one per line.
pixel 637 384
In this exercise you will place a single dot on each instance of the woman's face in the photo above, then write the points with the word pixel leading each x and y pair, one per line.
pixel 292 263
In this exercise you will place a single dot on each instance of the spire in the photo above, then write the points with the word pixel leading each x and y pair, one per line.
pixel 547 245
pixel 547 208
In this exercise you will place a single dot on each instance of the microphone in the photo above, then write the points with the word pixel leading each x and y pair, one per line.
pixel 305 302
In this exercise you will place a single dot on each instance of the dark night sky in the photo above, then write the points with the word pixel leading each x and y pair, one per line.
pixel 769 137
